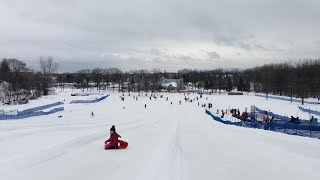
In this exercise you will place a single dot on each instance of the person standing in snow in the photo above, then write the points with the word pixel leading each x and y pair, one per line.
pixel 222 114
pixel 272 120
pixel 243 116
pixel 311 119
pixel 292 119
pixel 112 142
pixel 265 118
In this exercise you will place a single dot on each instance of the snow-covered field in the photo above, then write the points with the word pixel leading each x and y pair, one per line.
pixel 166 141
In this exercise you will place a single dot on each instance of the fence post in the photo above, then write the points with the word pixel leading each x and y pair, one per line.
pixel 310 129
pixel 284 125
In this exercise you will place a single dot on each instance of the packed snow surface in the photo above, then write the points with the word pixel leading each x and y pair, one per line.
pixel 166 141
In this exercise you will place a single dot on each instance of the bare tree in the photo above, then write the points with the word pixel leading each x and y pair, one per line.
pixel 85 73
pixel 97 74
pixel 47 67
pixel 16 68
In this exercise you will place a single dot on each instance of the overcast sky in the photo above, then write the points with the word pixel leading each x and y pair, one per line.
pixel 164 34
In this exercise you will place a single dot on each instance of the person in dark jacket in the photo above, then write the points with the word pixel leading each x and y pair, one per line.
pixel 311 119
pixel 292 119
pixel 112 142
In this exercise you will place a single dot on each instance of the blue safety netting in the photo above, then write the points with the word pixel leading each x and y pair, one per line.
pixel 269 113
pixel 28 111
pixel 36 111
pixel 280 124
pixel 286 99
pixel 286 125
pixel 30 114
pixel 309 111
pixel 89 101
pixel 217 118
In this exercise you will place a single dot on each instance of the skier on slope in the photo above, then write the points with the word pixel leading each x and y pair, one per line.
pixel 112 142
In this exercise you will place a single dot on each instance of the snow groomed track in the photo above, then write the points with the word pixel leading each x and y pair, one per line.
pixel 166 141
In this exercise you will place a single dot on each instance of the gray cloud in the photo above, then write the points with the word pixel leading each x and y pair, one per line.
pixel 213 55
pixel 167 34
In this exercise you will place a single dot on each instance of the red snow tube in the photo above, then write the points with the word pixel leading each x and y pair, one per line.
pixel 122 145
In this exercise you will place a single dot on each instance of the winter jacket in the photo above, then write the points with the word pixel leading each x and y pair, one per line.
pixel 114 139
pixel 243 116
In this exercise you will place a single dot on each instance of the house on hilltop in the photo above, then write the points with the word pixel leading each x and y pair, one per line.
pixel 171 84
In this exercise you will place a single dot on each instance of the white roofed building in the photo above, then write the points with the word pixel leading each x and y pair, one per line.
pixel 171 84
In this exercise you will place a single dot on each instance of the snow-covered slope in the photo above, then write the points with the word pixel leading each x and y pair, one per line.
pixel 166 141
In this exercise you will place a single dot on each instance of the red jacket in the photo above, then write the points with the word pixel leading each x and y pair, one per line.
pixel 113 139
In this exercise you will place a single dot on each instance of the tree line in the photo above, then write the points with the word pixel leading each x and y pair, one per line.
pixel 18 83
pixel 295 79
pixel 299 79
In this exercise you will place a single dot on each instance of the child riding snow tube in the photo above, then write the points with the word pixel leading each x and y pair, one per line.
pixel 113 141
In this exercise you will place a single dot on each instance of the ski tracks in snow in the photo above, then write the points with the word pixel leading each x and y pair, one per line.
pixel 163 161
pixel 50 153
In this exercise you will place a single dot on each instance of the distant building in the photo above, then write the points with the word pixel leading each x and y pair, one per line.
pixel 171 84
pixel 127 86
pixel 51 91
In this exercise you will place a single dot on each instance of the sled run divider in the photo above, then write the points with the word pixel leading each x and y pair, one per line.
pixel 88 101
